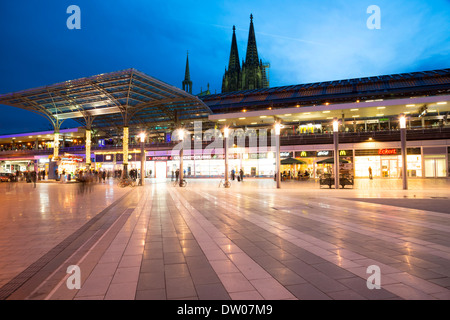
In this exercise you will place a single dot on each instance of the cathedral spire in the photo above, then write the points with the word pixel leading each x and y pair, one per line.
pixel 187 83
pixel 234 64
pixel 251 58
pixel 187 75
pixel 252 74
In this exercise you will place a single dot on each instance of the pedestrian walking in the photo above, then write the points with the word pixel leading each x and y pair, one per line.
pixel 34 178
pixel 241 174
pixel 370 173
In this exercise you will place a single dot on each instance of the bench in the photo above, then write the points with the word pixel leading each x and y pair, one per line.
pixel 328 180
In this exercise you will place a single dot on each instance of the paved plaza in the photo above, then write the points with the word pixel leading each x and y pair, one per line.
pixel 204 242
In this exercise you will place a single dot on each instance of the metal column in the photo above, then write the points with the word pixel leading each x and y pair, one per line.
pixel 404 159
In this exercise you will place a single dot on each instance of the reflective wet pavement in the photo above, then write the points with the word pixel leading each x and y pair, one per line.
pixel 251 241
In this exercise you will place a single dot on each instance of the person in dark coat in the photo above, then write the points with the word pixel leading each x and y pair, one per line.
pixel 34 177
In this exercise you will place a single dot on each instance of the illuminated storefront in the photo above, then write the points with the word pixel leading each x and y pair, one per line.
pixel 435 162
pixel 384 162
pixel 11 166
pixel 69 164
pixel 112 161
pixel 387 163
pixel 212 165
pixel 313 161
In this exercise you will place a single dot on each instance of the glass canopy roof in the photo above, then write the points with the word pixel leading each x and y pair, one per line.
pixel 111 101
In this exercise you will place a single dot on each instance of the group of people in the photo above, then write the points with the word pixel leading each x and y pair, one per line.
pixel 240 176
pixel 290 175
pixel 30 176
pixel 93 175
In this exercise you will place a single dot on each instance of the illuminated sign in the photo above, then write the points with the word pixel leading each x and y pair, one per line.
pixel 323 153
pixel 342 153
pixel 387 151
pixel 108 157
pixel 285 154
pixel 160 158
pixel 305 154
pixel 69 158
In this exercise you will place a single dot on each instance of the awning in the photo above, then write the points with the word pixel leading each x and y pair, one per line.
pixel 331 160
pixel 292 161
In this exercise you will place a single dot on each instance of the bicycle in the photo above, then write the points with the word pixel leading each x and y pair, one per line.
pixel 225 184
pixel 126 182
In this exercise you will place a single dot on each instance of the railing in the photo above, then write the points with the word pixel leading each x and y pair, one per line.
pixel 362 136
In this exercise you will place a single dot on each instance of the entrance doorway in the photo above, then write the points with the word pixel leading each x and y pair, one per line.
pixel 435 168
pixel 160 170
pixel 389 168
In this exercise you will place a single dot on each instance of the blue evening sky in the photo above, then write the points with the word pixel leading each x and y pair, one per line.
pixel 304 41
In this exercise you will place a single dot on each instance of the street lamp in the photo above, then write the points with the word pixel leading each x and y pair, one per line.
pixel 226 133
pixel 142 136
pixel 181 133
pixel 277 140
pixel 402 121
pixel 125 152
pixel 88 149
pixel 336 152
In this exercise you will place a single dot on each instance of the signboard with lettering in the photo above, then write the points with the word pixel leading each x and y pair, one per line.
pixel 387 151
pixel 158 158
pixel 261 155
pixel 324 153
pixel 286 154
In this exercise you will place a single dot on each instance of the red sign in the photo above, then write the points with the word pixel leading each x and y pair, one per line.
pixel 160 158
pixel 387 151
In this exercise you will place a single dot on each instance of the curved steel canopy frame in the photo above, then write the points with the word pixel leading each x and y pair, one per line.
pixel 126 98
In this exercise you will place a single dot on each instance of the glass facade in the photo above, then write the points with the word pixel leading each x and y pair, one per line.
pixel 435 166
pixel 387 163
pixel 383 162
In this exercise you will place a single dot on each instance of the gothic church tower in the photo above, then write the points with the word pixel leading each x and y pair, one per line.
pixel 252 75
pixel 187 83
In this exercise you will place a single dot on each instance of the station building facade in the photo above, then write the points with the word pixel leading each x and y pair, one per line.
pixel 367 109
